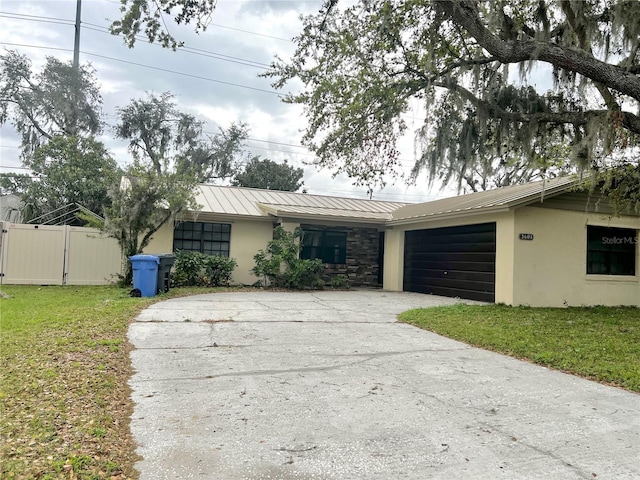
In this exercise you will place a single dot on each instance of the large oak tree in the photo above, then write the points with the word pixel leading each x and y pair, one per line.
pixel 472 67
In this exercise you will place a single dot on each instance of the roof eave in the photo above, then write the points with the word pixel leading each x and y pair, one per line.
pixel 448 215
pixel 273 210
pixel 331 218
pixel 227 216
pixel 540 196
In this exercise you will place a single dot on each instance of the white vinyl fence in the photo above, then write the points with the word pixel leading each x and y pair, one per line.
pixel 57 255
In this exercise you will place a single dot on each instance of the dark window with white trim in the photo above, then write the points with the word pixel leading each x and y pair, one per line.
pixel 328 245
pixel 203 237
pixel 611 251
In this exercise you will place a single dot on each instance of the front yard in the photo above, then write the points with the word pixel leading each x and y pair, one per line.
pixel 64 398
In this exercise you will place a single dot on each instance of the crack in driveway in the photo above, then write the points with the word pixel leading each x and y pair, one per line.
pixel 248 373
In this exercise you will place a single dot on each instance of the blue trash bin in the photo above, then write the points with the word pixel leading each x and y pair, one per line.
pixel 145 274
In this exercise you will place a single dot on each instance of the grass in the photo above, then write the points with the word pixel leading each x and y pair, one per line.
pixel 64 398
pixel 598 343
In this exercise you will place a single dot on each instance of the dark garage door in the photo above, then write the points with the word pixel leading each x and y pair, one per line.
pixel 452 261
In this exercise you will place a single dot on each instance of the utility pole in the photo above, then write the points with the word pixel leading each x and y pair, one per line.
pixel 76 67
pixel 76 43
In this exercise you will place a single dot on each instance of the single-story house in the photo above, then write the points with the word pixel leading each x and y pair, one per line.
pixel 537 244
pixel 345 233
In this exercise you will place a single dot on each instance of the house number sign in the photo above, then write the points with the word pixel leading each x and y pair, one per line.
pixel 526 236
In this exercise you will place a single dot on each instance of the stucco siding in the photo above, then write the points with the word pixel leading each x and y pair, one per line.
pixel 392 274
pixel 161 241
pixel 550 270
pixel 505 258
pixel 247 237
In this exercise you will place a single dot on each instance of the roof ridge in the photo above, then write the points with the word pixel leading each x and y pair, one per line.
pixel 266 190
pixel 316 206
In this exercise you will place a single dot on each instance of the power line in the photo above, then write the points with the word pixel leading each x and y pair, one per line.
pixel 102 29
pixel 23 16
pixel 340 191
pixel 191 50
pixel 269 149
pixel 386 194
pixel 70 22
pixel 264 141
pixel 162 17
pixel 42 47
pixel 250 32
pixel 36 18
pixel 277 143
pixel 15 168
pixel 312 190
pixel 272 92
pixel 199 50
pixel 229 28
pixel 403 162
pixel 21 175
pixel 281 151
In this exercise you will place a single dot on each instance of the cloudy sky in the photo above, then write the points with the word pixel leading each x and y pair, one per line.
pixel 214 79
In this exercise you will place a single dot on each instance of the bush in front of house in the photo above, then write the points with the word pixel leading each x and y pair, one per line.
pixel 195 269
pixel 281 266
pixel 340 282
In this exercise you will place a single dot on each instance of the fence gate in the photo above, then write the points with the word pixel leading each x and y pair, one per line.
pixel 57 255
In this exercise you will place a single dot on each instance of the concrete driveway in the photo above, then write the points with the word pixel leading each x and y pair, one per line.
pixel 326 385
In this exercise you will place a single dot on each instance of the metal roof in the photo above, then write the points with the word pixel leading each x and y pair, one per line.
pixel 252 202
pixel 484 202
pixel 315 212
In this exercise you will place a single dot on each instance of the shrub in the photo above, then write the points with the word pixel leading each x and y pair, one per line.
pixel 281 266
pixel 340 282
pixel 195 269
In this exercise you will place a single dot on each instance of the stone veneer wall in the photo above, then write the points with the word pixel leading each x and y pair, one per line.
pixel 362 255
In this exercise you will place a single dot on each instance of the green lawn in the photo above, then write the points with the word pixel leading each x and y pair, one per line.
pixel 598 343
pixel 64 399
